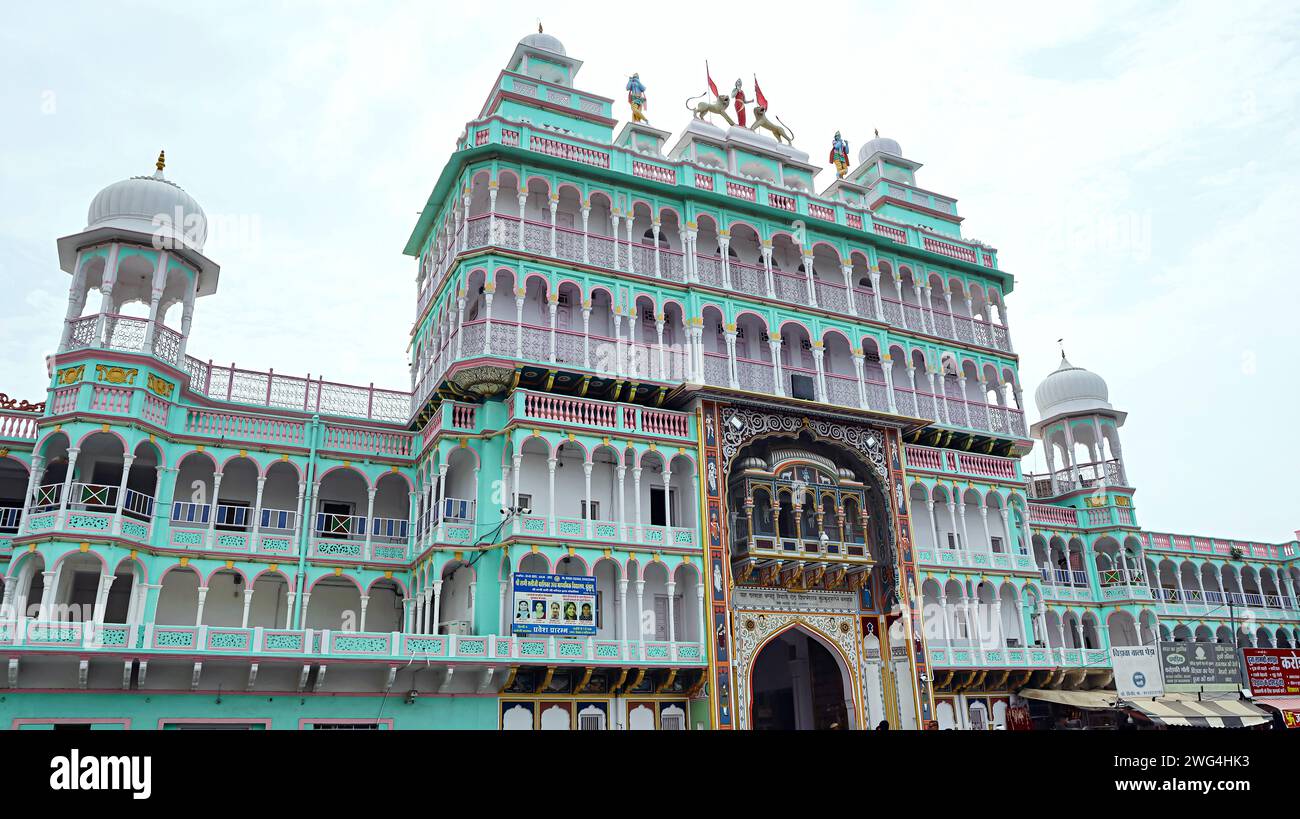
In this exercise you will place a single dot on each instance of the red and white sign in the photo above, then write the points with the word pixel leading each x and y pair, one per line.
pixel 1273 672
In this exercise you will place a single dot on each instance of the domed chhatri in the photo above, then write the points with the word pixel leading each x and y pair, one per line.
pixel 880 144
pixel 1071 389
pixel 150 204
pixel 543 41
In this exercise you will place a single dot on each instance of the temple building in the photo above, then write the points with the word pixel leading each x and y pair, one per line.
pixel 687 445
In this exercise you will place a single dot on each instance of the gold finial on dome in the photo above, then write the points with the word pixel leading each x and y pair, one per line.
pixel 539 25
pixel 162 160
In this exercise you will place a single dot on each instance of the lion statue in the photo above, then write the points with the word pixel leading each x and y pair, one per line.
pixel 718 106
pixel 778 131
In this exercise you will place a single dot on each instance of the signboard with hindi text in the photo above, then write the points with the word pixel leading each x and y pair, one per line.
pixel 1192 667
pixel 1137 671
pixel 558 604
pixel 1273 672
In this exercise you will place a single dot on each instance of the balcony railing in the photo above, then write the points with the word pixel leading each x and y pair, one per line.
pixel 964 463
pixel 496 129
pixel 602 415
pixel 1090 475
pixel 149 639
pixel 968 558
pixel 1039 656
pixel 231 384
pixel 18 426
pixel 671 364
pixel 614 253
pixel 1053 515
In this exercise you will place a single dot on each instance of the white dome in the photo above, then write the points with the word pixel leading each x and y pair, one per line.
pixel 544 42
pixel 1071 389
pixel 881 144
pixel 150 204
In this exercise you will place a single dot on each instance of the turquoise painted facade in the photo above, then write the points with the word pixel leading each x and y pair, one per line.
pixel 611 336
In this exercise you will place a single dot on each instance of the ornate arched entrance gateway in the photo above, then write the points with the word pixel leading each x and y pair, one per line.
pixel 809 533
pixel 797 684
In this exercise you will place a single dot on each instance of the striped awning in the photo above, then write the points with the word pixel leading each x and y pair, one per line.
pixel 1289 706
pixel 1187 710
pixel 1077 699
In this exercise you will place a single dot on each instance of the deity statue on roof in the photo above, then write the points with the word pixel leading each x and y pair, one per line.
pixel 840 155
pixel 738 97
pixel 636 98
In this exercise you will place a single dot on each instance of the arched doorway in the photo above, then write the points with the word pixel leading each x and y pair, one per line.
pixel 797 684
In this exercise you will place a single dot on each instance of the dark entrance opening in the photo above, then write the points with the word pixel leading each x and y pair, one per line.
pixel 798 685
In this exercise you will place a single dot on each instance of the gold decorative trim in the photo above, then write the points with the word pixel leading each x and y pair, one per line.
pixel 160 387
pixel 116 375
pixel 70 375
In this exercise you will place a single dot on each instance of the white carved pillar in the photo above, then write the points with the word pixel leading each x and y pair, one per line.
pixel 73 452
pixel 551 463
pixel 636 497
pixel 203 596
pixel 586 218
pixel 370 519
pixel 774 346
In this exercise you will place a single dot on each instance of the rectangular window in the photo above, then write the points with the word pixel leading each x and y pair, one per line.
pixel 954 540
pixel 657 517
pixel 233 516
pixel 996 544
pixel 345 726
pixel 334 520
pixel 525 501
pixel 661 616
pixel 595 510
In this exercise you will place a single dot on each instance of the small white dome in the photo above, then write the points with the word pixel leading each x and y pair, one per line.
pixel 881 144
pixel 1071 389
pixel 544 42
pixel 150 204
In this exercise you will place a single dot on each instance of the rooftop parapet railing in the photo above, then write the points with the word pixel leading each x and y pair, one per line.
pixel 753 190
pixel 1218 547
pixel 230 384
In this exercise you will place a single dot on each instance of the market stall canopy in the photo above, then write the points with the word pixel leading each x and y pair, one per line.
pixel 1289 706
pixel 1187 710
pixel 1078 699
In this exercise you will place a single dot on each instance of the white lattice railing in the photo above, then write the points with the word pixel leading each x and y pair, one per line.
pixel 231 384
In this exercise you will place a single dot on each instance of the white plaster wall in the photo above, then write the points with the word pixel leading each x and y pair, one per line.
pixel 270 602
pixel 224 604
pixel 178 600
pixel 329 601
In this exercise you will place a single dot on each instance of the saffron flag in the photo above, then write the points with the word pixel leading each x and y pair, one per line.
pixel 758 94
pixel 712 85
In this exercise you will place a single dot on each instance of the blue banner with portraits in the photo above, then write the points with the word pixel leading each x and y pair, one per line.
pixel 559 604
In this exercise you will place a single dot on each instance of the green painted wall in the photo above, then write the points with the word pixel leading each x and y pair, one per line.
pixel 144 710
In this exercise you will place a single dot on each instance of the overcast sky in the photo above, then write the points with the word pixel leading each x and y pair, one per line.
pixel 1136 165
